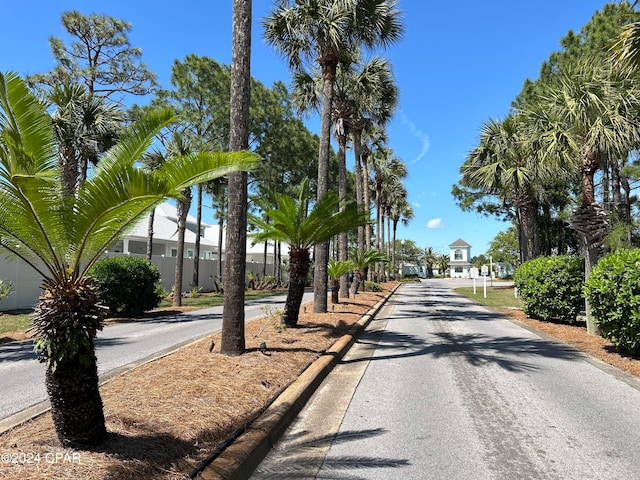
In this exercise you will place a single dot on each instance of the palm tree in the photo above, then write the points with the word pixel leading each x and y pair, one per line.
pixel 503 165
pixel 61 236
pixel 430 258
pixel 232 341
pixel 85 126
pixel 442 263
pixel 375 97
pixel 292 223
pixel 179 145
pixel 374 138
pixel 362 260
pixel 589 117
pixel 400 212
pixel 388 170
pixel 326 32
pixel 336 270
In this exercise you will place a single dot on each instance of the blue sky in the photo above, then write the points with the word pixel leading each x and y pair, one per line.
pixel 459 64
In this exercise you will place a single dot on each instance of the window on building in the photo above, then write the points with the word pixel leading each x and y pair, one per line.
pixel 459 270
pixel 189 253
pixel 457 255
pixel 174 252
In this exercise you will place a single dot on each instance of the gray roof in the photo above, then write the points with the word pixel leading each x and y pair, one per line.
pixel 460 243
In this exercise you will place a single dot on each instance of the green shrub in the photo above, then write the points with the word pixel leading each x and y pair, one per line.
pixel 372 287
pixel 551 287
pixel 613 291
pixel 127 285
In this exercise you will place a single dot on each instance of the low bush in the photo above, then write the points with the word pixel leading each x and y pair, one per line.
pixel 372 287
pixel 613 291
pixel 551 287
pixel 129 286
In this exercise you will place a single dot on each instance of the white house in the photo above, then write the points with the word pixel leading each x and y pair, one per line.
pixel 165 238
pixel 460 259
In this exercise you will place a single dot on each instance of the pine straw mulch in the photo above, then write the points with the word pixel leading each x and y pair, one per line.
pixel 166 416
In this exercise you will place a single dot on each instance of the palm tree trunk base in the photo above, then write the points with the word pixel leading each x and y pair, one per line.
pixel 76 405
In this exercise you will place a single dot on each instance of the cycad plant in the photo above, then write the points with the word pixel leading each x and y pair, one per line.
pixel 362 260
pixel 293 223
pixel 61 235
pixel 336 269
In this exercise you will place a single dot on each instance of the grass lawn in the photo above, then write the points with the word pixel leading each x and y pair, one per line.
pixel 14 322
pixel 497 296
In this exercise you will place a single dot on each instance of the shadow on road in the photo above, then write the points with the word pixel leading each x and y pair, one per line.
pixel 305 454
pixel 477 349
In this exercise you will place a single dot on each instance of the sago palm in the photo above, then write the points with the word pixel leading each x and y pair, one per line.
pixel 362 260
pixel 61 236
pixel 293 223
pixel 336 269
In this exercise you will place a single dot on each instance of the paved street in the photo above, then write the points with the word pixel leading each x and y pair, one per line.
pixel 22 377
pixel 440 388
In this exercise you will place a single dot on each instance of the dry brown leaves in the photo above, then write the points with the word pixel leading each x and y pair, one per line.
pixel 164 417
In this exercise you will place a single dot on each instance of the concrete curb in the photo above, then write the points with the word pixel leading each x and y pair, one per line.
pixel 240 459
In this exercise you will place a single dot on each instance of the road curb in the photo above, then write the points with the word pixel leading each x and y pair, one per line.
pixel 240 459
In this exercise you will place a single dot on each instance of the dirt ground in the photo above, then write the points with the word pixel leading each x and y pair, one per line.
pixel 166 416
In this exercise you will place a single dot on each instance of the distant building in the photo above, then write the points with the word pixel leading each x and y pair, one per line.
pixel 459 259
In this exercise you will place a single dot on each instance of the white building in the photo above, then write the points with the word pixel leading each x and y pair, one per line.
pixel 26 282
pixel 460 259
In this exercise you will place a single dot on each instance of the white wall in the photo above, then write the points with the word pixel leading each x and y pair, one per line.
pixel 27 283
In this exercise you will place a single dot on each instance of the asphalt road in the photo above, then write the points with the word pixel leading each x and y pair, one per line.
pixel 441 388
pixel 117 347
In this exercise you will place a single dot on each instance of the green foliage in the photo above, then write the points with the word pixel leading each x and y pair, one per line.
pixel 613 291
pixel 99 56
pixel 127 285
pixel 504 247
pixel 372 286
pixel 551 287
pixel 367 257
pixel 6 288
pixel 336 269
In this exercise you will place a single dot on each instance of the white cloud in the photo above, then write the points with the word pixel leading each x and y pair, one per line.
pixel 434 223
pixel 416 204
pixel 422 137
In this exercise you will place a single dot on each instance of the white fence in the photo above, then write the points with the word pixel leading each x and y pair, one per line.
pixel 27 283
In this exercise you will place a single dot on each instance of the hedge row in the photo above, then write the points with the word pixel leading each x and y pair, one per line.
pixel 553 288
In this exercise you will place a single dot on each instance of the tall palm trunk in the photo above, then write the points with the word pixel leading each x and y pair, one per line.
pixel 152 216
pixel 220 241
pixel 357 169
pixel 590 221
pixel 299 263
pixel 342 194
pixel 182 208
pixel 321 250
pixel 196 251
pixel 233 340
pixel 366 197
